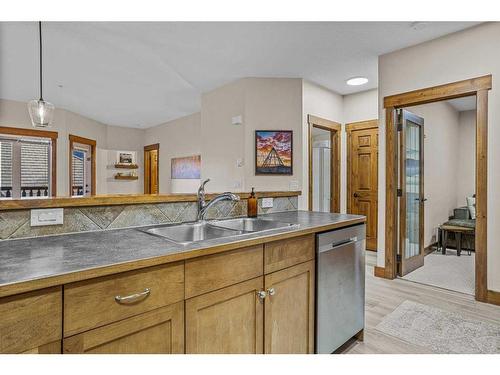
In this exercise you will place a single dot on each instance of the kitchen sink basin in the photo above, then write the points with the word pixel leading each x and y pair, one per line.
pixel 247 224
pixel 191 232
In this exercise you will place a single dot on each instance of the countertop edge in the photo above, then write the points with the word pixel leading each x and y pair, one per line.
pixel 70 277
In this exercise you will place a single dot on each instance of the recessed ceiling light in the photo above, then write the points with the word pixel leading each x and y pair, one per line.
pixel 357 81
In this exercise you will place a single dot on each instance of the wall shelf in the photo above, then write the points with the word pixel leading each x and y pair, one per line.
pixel 126 166
pixel 126 177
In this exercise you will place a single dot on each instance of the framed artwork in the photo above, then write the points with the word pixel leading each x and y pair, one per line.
pixel 273 152
pixel 187 167
pixel 125 157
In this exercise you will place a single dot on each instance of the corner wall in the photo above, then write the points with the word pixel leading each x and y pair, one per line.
pixel 466 54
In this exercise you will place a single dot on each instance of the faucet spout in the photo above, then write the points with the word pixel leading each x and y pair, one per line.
pixel 203 206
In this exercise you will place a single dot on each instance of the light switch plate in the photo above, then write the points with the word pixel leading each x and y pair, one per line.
pixel 267 202
pixel 49 216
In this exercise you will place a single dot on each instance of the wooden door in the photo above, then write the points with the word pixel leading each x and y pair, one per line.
pixel 289 310
pixel 226 321
pixel 411 201
pixel 151 169
pixel 362 175
pixel 160 331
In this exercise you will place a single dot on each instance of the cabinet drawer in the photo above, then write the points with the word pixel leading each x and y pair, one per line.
pixel 217 271
pixel 160 331
pixel 93 303
pixel 286 253
pixel 30 320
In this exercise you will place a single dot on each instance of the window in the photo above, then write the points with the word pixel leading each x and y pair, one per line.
pixel 26 165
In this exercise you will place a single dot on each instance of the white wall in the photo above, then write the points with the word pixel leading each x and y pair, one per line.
pixel 441 127
pixel 321 102
pixel 466 54
pixel 362 106
pixel 177 138
pixel 466 185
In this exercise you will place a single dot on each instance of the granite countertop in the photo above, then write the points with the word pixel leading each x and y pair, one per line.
pixel 33 263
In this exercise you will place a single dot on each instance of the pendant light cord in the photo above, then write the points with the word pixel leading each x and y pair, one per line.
pixel 40 34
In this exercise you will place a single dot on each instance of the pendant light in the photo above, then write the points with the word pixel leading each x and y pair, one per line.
pixel 41 111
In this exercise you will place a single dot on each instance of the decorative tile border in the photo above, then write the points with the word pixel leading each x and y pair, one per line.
pixel 16 224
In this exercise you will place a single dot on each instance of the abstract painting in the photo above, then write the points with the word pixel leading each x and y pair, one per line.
pixel 187 167
pixel 273 152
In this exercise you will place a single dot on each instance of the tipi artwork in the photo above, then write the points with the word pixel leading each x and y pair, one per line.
pixel 273 152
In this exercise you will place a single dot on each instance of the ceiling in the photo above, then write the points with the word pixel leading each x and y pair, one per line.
pixel 140 74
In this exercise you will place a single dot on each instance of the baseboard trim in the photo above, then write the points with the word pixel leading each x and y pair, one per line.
pixel 493 297
pixel 379 271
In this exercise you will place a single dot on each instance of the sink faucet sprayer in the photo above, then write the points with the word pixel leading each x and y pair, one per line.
pixel 203 206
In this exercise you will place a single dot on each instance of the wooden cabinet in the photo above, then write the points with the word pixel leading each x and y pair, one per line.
pixel 229 320
pixel 289 310
pixel 286 253
pixel 94 303
pixel 31 322
pixel 160 331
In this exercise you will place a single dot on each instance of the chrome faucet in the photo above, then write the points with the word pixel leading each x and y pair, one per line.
pixel 203 205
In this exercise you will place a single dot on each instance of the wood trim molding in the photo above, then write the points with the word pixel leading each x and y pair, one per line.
pixel 28 132
pixel 155 146
pixel 467 87
pixel 85 141
pixel 334 128
pixel 369 124
pixel 493 297
pixel 42 134
pixel 118 199
pixel 146 164
pixel 472 87
pixel 379 271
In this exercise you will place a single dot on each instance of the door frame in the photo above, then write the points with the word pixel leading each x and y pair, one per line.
pixel 334 128
pixel 155 146
pixel 84 141
pixel 479 88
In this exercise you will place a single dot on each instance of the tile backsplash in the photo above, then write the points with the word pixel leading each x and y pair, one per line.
pixel 16 224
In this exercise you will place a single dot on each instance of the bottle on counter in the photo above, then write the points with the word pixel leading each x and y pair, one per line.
pixel 252 205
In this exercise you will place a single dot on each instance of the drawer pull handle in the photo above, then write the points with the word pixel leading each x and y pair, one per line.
pixel 133 297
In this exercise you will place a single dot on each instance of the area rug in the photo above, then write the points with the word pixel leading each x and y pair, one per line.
pixel 441 331
pixel 446 271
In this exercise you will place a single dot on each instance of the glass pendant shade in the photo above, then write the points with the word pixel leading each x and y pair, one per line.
pixel 41 113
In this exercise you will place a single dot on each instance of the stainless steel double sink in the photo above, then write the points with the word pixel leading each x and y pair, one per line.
pixel 188 233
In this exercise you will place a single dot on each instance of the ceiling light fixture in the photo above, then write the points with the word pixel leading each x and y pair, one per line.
pixel 357 81
pixel 41 112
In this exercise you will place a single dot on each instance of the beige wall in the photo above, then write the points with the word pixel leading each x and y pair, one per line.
pixel 441 129
pixel 321 102
pixel 177 138
pixel 455 57
pixel 15 114
pixel 466 185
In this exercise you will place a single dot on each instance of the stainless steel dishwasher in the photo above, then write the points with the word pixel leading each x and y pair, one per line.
pixel 340 286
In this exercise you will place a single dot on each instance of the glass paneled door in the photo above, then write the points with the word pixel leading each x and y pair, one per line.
pixel 411 200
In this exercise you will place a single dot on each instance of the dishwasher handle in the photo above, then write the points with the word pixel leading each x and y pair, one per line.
pixel 338 244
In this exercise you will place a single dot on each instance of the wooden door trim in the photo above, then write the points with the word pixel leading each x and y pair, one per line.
pixel 334 128
pixel 155 146
pixel 85 141
pixel 349 128
pixel 42 134
pixel 478 87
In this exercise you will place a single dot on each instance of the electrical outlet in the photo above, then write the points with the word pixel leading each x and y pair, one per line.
pixel 49 216
pixel 239 163
pixel 267 202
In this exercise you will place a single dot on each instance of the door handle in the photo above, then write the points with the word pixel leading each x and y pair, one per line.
pixel 356 195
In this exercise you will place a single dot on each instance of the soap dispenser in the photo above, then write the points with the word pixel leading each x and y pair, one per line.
pixel 252 205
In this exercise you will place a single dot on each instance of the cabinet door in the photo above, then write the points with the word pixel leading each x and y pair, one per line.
pixel 289 310
pixel 229 320
pixel 160 331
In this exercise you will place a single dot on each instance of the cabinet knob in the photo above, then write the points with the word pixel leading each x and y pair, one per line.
pixel 271 291
pixel 261 294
